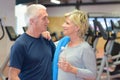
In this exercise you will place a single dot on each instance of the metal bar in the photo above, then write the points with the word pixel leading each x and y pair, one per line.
pixel 87 4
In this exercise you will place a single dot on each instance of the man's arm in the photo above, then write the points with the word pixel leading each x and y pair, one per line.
pixel 13 74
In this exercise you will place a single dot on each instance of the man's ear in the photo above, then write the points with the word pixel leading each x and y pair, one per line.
pixel 31 21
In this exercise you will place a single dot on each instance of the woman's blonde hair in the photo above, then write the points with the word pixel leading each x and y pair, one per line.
pixel 80 19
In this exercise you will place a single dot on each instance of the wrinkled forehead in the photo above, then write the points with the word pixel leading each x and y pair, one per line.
pixel 42 12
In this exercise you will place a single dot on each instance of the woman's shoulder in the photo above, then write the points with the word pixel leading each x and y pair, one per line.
pixel 86 45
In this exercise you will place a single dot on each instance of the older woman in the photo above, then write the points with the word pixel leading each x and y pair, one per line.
pixel 74 58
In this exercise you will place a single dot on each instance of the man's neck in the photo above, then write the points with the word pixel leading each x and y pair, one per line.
pixel 33 33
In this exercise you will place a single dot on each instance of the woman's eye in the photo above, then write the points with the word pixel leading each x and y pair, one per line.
pixel 67 23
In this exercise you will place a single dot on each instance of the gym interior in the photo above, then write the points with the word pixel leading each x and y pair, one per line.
pixel 103 34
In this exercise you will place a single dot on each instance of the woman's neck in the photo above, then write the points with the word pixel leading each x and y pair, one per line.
pixel 74 41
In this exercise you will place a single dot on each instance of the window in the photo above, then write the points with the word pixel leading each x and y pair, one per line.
pixel 20 22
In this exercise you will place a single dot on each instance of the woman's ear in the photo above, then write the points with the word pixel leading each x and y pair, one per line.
pixel 77 28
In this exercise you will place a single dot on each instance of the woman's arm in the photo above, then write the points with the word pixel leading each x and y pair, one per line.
pixel 46 34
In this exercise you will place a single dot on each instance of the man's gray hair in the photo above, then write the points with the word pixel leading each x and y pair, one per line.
pixel 32 11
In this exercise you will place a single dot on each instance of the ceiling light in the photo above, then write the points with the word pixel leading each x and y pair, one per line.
pixel 55 1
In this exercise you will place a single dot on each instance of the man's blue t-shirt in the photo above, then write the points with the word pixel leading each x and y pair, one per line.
pixel 33 56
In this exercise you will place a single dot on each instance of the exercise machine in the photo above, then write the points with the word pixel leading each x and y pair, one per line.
pixel 115 53
pixel 2 67
pixel 12 36
pixel 2 29
pixel 11 33
pixel 107 49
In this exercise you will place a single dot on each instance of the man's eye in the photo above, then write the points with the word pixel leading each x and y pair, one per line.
pixel 44 18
